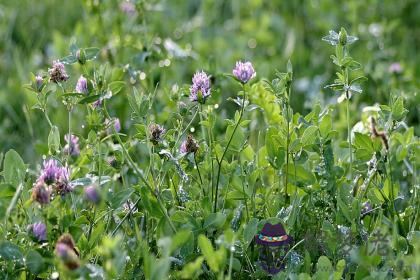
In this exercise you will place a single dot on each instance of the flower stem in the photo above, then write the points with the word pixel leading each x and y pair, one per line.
pixel 349 135
pixel 220 161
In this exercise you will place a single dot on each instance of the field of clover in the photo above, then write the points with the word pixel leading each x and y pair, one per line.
pixel 137 172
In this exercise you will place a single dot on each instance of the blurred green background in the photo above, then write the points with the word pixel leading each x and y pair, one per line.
pixel 165 42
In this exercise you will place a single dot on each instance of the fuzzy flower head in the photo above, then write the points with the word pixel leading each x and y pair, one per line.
pixel 72 147
pixel 128 7
pixel 395 68
pixel 55 176
pixel 39 230
pixel 189 145
pixel 41 193
pixel 156 133
pixel 58 73
pixel 200 88
pixel 50 172
pixel 97 104
pixel 244 71
pixel 81 85
pixel 92 194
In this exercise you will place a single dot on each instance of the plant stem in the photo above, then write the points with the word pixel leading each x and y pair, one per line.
pixel 139 173
pixel 349 135
pixel 220 161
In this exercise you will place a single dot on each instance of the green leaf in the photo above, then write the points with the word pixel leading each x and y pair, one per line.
pixel 324 268
pixel 10 251
pixel 14 168
pixel 309 135
pixel 91 53
pixel 398 110
pixel 192 269
pixel 35 262
pixel 208 252
pixel 250 231
pixel 301 173
pixel 215 220
pixel 116 87
pixel 120 197
pixel 54 139
pixel 341 265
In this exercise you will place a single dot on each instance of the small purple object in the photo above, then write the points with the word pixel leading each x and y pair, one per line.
pixel 92 194
pixel 82 85
pixel 200 88
pixel 39 230
pixel 72 146
pixel 244 71
pixel 395 68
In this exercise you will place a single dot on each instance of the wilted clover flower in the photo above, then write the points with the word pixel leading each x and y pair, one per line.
pixel 189 145
pixel 65 249
pixel 200 88
pixel 58 72
pixel 92 194
pixel 41 192
pixel 244 71
pixel 72 146
pixel 156 133
pixel 82 85
pixel 62 185
pixel 39 230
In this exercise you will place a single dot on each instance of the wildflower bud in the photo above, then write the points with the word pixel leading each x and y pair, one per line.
pixel 39 83
pixel 41 193
pixel 189 145
pixel 156 133
pixel 342 37
pixel 244 71
pixel 92 194
pixel 39 230
pixel 65 249
pixel 81 56
pixel 81 85
pixel 58 73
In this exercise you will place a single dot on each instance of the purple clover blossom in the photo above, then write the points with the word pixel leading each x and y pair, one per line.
pixel 244 71
pixel 82 85
pixel 92 194
pixel 39 230
pixel 58 73
pixel 72 147
pixel 50 172
pixel 395 68
pixel 189 145
pixel 117 124
pixel 63 183
pixel 200 88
